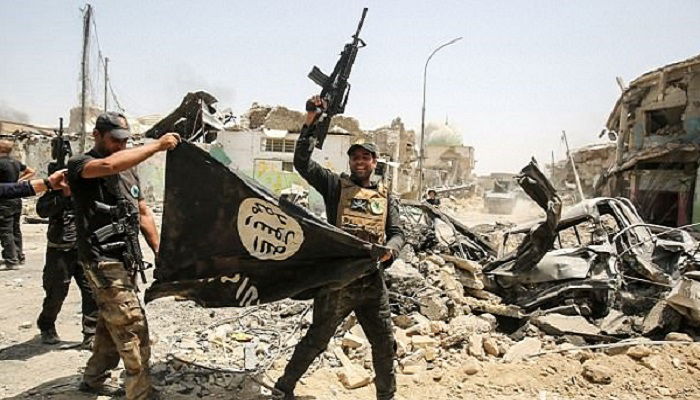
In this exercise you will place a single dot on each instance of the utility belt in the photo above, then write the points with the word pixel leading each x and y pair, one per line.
pixel 61 246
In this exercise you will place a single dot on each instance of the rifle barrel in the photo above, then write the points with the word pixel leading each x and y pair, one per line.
pixel 359 27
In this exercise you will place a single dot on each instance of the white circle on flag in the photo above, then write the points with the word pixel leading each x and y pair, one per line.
pixel 266 231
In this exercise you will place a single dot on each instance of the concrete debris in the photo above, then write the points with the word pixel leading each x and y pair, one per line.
pixel 476 346
pixel 523 349
pixel 434 308
pixel 351 375
pixel 595 372
pixel 678 337
pixel 351 341
pixel 661 317
pixel 461 305
pixel 423 342
pixel 616 323
pixel 491 347
pixel 557 324
pixel 639 352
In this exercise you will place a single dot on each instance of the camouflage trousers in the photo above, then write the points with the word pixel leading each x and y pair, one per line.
pixel 122 330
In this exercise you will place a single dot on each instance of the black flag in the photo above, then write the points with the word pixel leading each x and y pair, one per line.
pixel 227 241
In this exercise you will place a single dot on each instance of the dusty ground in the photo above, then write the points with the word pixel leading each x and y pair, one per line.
pixel 29 369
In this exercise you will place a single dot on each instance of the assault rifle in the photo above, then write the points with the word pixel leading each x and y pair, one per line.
pixel 335 88
pixel 125 229
pixel 60 149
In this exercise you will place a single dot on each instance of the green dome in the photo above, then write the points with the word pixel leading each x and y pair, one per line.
pixel 442 135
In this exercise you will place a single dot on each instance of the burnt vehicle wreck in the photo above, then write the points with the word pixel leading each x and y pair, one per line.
pixel 597 259
pixel 426 227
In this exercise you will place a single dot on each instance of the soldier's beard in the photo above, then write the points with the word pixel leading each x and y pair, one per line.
pixel 360 177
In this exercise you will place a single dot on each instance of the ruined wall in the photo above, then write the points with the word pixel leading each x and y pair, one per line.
pixel 591 162
pixel 247 155
pixel 667 110
pixel 448 165
pixel 692 110
pixel 284 119
pixel 397 144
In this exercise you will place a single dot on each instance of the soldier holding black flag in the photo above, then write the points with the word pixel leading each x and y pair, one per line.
pixel 363 208
pixel 107 196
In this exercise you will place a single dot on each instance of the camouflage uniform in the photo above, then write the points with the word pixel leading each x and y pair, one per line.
pixel 122 330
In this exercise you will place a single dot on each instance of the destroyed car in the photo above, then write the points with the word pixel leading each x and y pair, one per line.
pixel 426 227
pixel 604 256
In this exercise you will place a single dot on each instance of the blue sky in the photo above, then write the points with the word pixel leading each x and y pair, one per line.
pixel 524 71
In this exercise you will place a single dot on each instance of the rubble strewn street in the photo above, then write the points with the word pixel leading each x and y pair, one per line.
pixel 402 201
pixel 459 333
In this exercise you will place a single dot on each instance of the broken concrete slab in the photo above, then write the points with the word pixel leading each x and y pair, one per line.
pixel 470 324
pixel 434 307
pixel 407 321
pixel 469 280
pixel 685 297
pixel 509 310
pixel 426 343
pixel 351 375
pixel 557 324
pixel 351 341
pixel 413 362
pixel 476 346
pixel 523 349
pixel 491 347
pixel 616 323
pixel 465 265
pixel 661 316
pixel 434 258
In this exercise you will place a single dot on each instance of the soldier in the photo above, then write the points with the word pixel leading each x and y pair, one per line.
pixel 432 198
pixel 11 171
pixel 62 265
pixel 363 208
pixel 105 189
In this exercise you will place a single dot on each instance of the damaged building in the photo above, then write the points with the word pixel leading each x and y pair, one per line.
pixel 262 147
pixel 448 162
pixel 657 121
pixel 592 162
pixel 398 147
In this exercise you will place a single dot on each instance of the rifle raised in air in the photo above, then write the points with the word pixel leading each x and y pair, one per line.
pixel 335 88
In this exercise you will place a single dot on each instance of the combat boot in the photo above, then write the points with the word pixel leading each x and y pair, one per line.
pixel 11 266
pixel 102 390
pixel 50 336
pixel 286 393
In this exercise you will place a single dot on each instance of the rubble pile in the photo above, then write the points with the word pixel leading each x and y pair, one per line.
pixel 594 273
pixel 281 118
pixel 590 277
